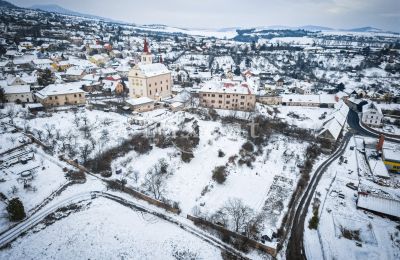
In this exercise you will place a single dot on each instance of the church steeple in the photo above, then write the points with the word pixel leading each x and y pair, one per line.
pixel 146 56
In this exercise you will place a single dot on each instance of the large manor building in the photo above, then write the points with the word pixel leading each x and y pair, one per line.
pixel 148 79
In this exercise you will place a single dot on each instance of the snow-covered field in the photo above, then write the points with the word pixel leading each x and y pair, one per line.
pixel 107 230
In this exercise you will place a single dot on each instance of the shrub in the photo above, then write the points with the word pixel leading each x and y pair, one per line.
pixel 221 153
pixel 313 223
pixel 15 209
pixel 248 146
pixel 219 174
pixel 187 156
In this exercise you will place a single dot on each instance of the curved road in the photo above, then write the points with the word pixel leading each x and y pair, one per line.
pixel 28 223
pixel 354 122
pixel 295 248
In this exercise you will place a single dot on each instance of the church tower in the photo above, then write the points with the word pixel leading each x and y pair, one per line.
pixel 146 57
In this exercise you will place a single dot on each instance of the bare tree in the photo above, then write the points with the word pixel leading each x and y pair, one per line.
pixel 11 113
pixel 76 120
pixel 154 183
pixel 239 213
pixel 84 152
pixel 49 129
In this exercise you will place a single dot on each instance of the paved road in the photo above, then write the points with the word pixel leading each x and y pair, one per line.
pixel 354 122
pixel 28 223
pixel 295 248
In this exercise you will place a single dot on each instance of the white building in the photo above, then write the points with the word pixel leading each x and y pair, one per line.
pixel 18 94
pixel 372 115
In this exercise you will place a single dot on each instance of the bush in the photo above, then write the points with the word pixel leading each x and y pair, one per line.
pixel 219 174
pixel 313 223
pixel 221 153
pixel 15 209
pixel 248 146
pixel 187 156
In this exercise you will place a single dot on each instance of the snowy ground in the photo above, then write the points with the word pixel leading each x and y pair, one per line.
pixel 83 235
pixel 191 184
pixel 304 117
pixel 379 238
pixel 46 176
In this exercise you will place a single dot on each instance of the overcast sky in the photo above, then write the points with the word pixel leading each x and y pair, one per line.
pixel 384 14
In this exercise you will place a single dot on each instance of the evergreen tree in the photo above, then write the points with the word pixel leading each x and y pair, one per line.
pixel 15 209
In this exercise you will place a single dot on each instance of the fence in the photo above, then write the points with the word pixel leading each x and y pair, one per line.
pixel 250 242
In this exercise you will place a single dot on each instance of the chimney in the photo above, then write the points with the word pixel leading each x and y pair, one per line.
pixel 381 140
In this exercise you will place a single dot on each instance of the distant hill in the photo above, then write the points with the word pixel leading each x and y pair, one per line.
pixel 61 10
pixel 6 4
pixel 365 29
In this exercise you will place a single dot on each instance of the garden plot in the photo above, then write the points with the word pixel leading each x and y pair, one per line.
pixel 10 140
pixel 32 177
pixel 223 62
pixel 354 229
pixel 83 133
pixel 128 234
pixel 193 59
pixel 304 117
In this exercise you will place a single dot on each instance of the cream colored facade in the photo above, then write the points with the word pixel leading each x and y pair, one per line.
pixel 148 79
pixel 60 95
pixel 233 98
pixel 63 99
pixel 155 87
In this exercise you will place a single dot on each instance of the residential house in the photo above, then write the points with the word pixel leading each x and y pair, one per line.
pixel 18 94
pixel 141 104
pixel 61 94
pixel 372 115
pixel 227 95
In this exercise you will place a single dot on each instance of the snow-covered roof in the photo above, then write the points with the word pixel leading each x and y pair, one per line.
pixel 153 69
pixel 60 89
pixel 139 101
pixel 391 154
pixel 379 204
pixel 42 61
pixel 333 127
pixel 371 107
pixel 230 87
pixel 17 89
pixel 74 71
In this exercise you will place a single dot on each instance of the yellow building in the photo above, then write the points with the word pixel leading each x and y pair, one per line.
pixel 391 159
pixel 148 79
pixel 61 94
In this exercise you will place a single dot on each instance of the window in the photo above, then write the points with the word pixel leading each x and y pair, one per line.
pixel 220 102
pixel 227 102
pixel 74 95
pixel 56 97
pixel 149 85
pixel 161 89
pixel 80 95
pixel 241 103
pixel 155 83
pixel 150 92
pixel 213 101
pixel 228 96
pixel 204 95
pixel 161 82
pixel 51 98
pixel 220 96
pixel 213 95
pixel 242 97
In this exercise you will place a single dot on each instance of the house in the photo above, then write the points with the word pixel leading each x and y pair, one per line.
pixel 226 94
pixel 141 104
pixel 61 94
pixel 372 115
pixel 74 74
pixel 333 126
pixel 18 94
pixel 147 79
